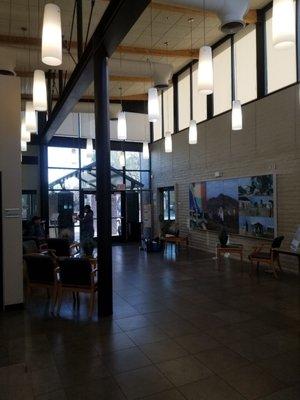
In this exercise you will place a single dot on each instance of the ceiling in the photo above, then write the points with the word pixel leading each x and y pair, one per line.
pixel 155 27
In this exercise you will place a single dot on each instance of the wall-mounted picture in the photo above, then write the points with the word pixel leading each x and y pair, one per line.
pixel 242 206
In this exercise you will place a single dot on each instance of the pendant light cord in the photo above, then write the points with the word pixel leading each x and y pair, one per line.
pixel 234 73
pixel 168 111
pixel 204 22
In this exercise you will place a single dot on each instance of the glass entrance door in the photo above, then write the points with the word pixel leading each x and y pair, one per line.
pixel 117 212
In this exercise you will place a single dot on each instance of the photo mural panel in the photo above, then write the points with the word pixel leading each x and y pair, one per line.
pixel 244 206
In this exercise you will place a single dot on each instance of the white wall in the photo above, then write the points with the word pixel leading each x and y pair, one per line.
pixel 10 166
pixel 269 143
pixel 138 128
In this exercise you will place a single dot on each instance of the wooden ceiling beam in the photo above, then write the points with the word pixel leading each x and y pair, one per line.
pixel 112 78
pixel 91 99
pixel 158 52
pixel 21 41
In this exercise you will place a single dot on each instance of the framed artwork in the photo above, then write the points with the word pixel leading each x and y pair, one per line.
pixel 244 206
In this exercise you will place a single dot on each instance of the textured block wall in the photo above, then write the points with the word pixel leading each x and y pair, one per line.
pixel 269 143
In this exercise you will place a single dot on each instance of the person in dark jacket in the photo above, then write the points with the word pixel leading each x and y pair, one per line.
pixel 35 229
pixel 87 224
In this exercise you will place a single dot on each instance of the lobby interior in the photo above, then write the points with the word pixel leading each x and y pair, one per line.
pixel 149 195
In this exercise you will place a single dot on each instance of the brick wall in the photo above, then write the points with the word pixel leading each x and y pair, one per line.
pixel 269 143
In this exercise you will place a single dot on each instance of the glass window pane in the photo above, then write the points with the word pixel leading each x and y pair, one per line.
pixel 29 205
pixel 222 78
pixel 245 55
pixel 166 205
pixel 88 179
pixel 172 205
pixel 199 100
pixel 63 179
pixel 281 63
pixel 157 126
pixel 115 159
pixel 63 157
pixel 133 160
pixel 168 110
pixel 184 100
pixel 86 159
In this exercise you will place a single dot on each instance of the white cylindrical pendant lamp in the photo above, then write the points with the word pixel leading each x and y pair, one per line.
pixel 23 145
pixel 236 116
pixel 122 126
pixel 146 154
pixel 193 133
pixel 52 36
pixel 168 142
pixel 89 148
pixel 30 117
pixel 25 135
pixel 205 71
pixel 283 23
pixel 39 91
pixel 153 105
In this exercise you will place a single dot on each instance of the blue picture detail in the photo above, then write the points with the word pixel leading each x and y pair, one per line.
pixel 242 206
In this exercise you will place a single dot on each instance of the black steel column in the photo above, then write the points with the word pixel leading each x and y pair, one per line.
pixel 79 28
pixel 43 164
pixel 102 134
pixel 261 54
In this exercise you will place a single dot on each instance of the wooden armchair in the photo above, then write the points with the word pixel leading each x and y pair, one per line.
pixel 77 275
pixel 263 255
pixel 61 247
pixel 41 272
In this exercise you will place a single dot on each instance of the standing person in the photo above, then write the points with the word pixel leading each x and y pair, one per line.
pixel 36 229
pixel 87 224
pixel 87 229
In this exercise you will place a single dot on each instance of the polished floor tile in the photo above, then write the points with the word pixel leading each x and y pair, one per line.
pixel 181 329
pixel 212 388
pixel 252 382
pixel 184 370
pixel 142 382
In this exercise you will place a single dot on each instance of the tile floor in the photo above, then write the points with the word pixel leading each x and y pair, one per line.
pixel 181 330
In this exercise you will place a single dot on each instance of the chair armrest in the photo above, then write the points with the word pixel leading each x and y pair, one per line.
pixel 43 247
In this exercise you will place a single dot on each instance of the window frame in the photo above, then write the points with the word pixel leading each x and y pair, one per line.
pixel 168 190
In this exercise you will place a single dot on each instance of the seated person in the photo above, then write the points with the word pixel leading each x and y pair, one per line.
pixel 35 229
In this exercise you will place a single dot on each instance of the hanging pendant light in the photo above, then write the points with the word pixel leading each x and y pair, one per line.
pixel 30 117
pixel 236 116
pixel 122 126
pixel 25 135
pixel 146 154
pixel 39 91
pixel 193 132
pixel 283 23
pixel 122 159
pixel 205 71
pixel 168 142
pixel 153 105
pixel 23 145
pixel 89 148
pixel 205 65
pixel 52 36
